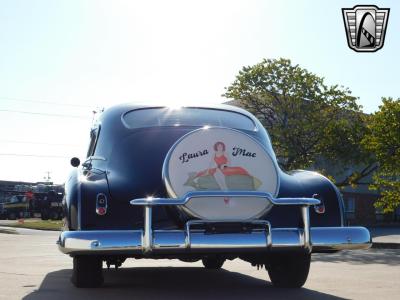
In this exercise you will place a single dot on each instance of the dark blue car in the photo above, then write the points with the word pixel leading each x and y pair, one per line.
pixel 196 183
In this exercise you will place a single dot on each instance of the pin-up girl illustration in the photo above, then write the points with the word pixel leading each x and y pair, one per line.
pixel 218 164
pixel 220 167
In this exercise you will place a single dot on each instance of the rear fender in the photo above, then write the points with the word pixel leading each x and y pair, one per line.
pixel 307 184
pixel 80 199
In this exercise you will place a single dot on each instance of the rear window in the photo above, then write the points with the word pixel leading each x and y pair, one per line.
pixel 152 117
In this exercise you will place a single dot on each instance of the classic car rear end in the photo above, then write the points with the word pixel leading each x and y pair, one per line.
pixel 196 183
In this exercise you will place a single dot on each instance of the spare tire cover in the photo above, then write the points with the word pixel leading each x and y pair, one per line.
pixel 220 159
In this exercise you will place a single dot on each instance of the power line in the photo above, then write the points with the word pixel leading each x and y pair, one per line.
pixel 46 102
pixel 34 155
pixel 37 143
pixel 43 114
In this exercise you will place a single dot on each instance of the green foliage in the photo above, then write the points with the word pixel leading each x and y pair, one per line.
pixel 383 140
pixel 309 120
pixel 39 224
pixel 306 118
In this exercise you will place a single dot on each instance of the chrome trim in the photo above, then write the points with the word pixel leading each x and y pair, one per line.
pixel 130 242
pixel 227 241
pixel 149 202
pixel 105 206
pixel 199 194
pixel 340 238
pixel 94 157
pixel 149 241
pixel 305 214
pixel 286 238
pixel 166 240
pixel 100 241
pixel 238 243
pixel 148 230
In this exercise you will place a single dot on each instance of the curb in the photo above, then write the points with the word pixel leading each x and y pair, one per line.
pixel 385 245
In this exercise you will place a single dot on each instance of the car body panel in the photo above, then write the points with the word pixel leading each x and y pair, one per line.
pixel 125 164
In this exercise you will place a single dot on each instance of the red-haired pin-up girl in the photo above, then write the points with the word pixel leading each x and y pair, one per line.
pixel 219 166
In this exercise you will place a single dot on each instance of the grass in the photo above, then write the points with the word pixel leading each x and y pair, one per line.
pixel 38 224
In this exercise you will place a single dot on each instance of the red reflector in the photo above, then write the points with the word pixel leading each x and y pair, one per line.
pixel 101 211
pixel 319 209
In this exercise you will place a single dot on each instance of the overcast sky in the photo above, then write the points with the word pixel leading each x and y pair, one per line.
pixel 92 54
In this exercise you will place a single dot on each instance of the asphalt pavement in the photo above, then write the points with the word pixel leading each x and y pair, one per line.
pixel 386 235
pixel 31 267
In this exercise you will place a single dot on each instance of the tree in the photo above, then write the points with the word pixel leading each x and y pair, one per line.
pixel 306 119
pixel 383 140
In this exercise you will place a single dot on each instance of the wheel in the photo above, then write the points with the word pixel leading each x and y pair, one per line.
pixel 289 270
pixel 12 216
pixel 54 215
pixel 44 215
pixel 87 272
pixel 213 263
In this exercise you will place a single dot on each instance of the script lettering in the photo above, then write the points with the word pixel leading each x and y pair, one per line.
pixel 236 151
pixel 185 157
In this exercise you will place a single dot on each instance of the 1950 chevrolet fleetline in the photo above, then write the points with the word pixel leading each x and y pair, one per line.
pixel 196 183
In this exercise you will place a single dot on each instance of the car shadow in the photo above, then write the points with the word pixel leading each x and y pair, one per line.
pixel 389 257
pixel 170 283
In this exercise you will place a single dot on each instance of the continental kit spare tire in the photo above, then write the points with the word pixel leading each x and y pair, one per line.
pixel 215 159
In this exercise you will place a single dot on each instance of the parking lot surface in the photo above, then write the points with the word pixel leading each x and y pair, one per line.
pixel 31 267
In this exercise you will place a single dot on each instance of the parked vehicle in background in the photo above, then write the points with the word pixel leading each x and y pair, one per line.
pixel 2 212
pixel 17 207
pixel 45 203
pixel 49 205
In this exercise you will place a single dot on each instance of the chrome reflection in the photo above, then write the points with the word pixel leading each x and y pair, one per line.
pixel 129 242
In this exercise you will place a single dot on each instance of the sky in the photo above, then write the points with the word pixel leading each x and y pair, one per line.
pixel 62 60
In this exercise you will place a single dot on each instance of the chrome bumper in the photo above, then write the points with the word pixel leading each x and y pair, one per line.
pixel 196 237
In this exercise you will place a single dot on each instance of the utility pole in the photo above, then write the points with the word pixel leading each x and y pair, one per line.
pixel 47 178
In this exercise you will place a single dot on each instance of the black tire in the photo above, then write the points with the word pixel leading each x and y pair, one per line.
pixel 12 216
pixel 44 215
pixel 54 215
pixel 87 272
pixel 213 263
pixel 289 270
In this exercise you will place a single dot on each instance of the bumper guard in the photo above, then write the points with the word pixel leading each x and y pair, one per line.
pixel 196 238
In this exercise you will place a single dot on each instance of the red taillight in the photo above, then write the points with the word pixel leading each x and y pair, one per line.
pixel 101 204
pixel 320 208
pixel 101 211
